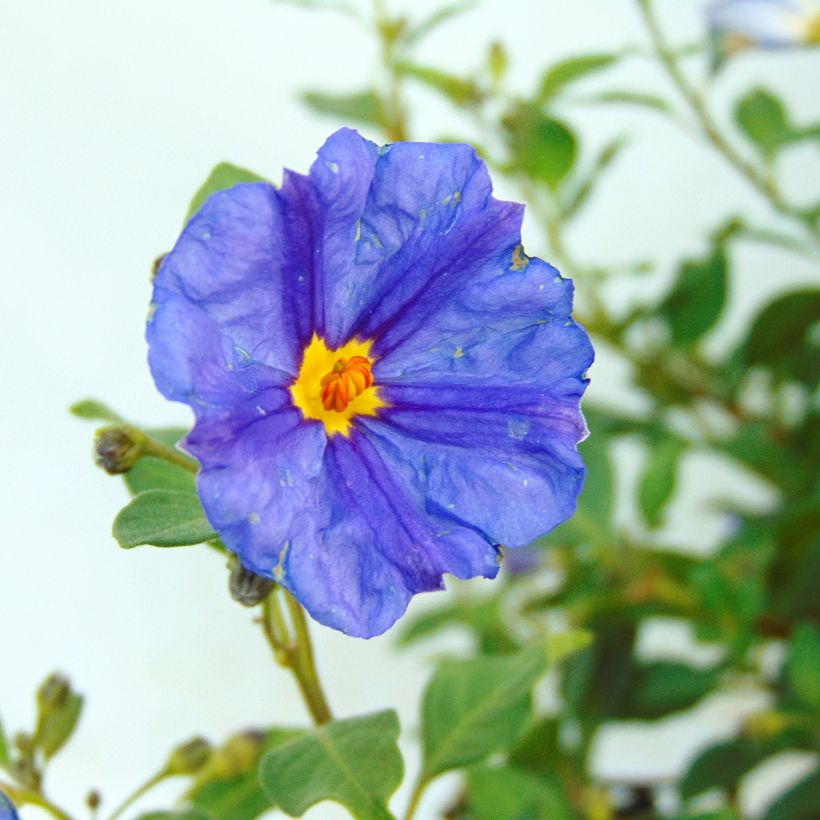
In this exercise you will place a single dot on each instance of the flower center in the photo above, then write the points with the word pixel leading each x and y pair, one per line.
pixel 333 386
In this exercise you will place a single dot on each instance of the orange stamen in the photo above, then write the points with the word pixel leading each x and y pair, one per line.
pixel 348 379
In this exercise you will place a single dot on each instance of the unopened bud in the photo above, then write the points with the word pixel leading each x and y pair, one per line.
pixel 24 743
pixel 93 800
pixel 118 448
pixel 53 694
pixel 248 588
pixel 189 758
pixel 238 755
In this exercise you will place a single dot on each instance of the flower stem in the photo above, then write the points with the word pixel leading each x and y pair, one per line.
pixel 143 789
pixel 294 650
pixel 759 180
pixel 415 798
pixel 36 799
pixel 156 449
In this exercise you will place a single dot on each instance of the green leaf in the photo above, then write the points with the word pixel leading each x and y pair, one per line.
pixel 155 474
pixel 665 687
pixel 721 766
pixel 762 118
pixel 543 148
pixel 631 98
pixel 473 708
pixel 568 71
pixel 780 336
pixel 223 176
pixel 58 726
pixel 94 410
pixel 186 814
pixel 515 794
pixel 798 803
pixel 416 33
pixel 459 91
pixel 803 665
pixel 4 746
pixel 697 297
pixel 361 106
pixel 355 762
pixel 162 518
pixel 657 485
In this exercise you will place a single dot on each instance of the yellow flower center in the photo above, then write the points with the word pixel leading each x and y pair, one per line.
pixel 333 386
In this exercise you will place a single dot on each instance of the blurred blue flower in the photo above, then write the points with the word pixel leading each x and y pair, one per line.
pixel 385 386
pixel 7 811
pixel 738 24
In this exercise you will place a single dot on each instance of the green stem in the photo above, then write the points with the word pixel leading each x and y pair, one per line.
pixel 156 449
pixel 143 789
pixel 295 651
pixel 760 181
pixel 34 798
pixel 415 797
pixel 395 112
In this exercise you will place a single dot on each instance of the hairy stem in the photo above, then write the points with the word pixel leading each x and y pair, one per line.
pixel 134 796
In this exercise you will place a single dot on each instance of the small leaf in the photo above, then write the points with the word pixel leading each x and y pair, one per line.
pixel 516 794
pixel 459 91
pixel 473 708
pixel 762 118
pixel 58 726
pixel 633 98
pixel 561 645
pixel 657 485
pixel 543 148
pixel 779 337
pixel 803 665
pixel 94 410
pixel 721 766
pixel 355 762
pixel 155 474
pixel 418 32
pixel 162 518
pixel 697 297
pixel 223 176
pixel 665 687
pixel 571 70
pixel 799 803
pixel 361 106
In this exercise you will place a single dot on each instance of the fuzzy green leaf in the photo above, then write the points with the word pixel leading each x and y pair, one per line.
pixel 516 794
pixel 360 106
pixel 696 300
pixel 473 708
pixel 355 762
pixel 223 176
pixel 803 666
pixel 798 803
pixel 4 746
pixel 762 118
pixel 94 410
pixel 542 147
pixel 58 725
pixel 458 90
pixel 155 474
pixel 162 518
pixel 568 71
pixel 657 485
pixel 720 766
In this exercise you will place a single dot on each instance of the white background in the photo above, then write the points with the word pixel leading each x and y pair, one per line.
pixel 111 115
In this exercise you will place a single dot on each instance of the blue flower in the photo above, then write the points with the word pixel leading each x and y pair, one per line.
pixel 7 811
pixel 739 24
pixel 386 388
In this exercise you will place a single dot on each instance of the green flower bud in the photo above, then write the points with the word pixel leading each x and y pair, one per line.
pixel 93 800
pixel 238 755
pixel 53 694
pixel 248 588
pixel 118 448
pixel 189 758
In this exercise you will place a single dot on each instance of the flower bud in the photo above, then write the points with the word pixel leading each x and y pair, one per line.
pixel 189 758
pixel 93 800
pixel 238 755
pixel 118 448
pixel 53 694
pixel 248 588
